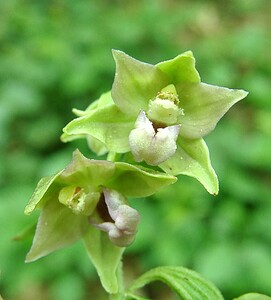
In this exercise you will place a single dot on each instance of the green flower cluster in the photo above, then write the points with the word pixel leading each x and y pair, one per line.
pixel 154 121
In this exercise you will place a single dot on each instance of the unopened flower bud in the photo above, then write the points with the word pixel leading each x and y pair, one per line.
pixel 122 231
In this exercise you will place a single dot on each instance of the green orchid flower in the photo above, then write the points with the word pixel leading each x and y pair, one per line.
pixel 160 113
pixel 87 200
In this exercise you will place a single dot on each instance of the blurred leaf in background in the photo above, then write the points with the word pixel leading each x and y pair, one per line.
pixel 56 55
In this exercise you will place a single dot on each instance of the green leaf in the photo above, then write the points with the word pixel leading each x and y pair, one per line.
pixel 42 190
pixel 188 284
pixel 107 124
pixel 57 227
pixel 253 296
pixel 105 256
pixel 204 105
pixel 192 159
pixel 180 69
pixel 136 181
pixel 135 83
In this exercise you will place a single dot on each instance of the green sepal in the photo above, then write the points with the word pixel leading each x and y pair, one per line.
pixel 188 284
pixel 104 100
pixel 69 138
pixel 136 181
pixel 95 145
pixel 27 232
pixel 107 124
pixel 91 175
pixel 87 173
pixel 57 227
pixel 253 296
pixel 105 256
pixel 204 105
pixel 43 193
pixel 192 159
pixel 82 172
pixel 88 110
pixel 135 83
pixel 180 69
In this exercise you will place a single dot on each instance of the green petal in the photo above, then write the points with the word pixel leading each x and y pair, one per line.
pixel 107 124
pixel 87 173
pixel 180 69
pixel 192 159
pixel 105 256
pixel 204 105
pixel 135 83
pixel 135 181
pixel 45 190
pixel 52 232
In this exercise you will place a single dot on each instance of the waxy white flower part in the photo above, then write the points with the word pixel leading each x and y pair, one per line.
pixel 152 146
pixel 121 231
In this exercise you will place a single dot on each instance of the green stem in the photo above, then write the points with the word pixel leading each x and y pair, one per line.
pixel 121 292
pixel 111 156
pixel 116 297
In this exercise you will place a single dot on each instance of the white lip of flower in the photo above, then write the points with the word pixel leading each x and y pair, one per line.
pixel 122 232
pixel 154 147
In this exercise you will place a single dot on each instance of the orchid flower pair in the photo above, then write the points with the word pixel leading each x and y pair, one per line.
pixel 154 120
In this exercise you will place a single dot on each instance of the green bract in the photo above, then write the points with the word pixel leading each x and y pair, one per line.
pixel 88 200
pixel 160 113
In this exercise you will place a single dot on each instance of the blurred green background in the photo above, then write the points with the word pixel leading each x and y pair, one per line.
pixel 56 55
